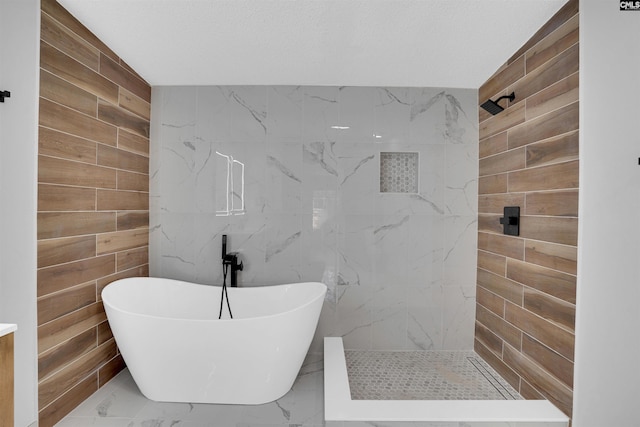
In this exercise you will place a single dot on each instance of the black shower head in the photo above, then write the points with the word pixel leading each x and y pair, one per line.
pixel 493 107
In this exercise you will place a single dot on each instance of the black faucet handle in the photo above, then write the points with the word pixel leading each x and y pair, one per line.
pixel 240 266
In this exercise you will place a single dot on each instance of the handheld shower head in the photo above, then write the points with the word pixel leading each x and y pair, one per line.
pixel 493 107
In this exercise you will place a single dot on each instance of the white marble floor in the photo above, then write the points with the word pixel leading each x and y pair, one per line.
pixel 120 404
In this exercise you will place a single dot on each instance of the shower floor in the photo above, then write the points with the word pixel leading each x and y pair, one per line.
pixel 424 375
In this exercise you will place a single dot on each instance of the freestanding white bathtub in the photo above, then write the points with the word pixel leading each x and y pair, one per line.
pixel 177 349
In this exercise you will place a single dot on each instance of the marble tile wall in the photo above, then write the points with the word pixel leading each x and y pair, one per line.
pixel 401 268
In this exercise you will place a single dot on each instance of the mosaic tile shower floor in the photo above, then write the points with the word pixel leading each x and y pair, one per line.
pixel 424 375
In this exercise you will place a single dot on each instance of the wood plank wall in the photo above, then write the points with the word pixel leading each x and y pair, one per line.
pixel 93 205
pixel 526 291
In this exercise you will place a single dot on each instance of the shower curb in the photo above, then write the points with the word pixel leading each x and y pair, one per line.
pixel 340 409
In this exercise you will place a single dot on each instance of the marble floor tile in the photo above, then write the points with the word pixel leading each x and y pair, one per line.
pixel 121 404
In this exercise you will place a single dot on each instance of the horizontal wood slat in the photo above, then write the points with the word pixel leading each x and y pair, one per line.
pixel 62 276
pixel 552 282
pixel 53 225
pixel 122 240
pixel 66 327
pixel 123 78
pixel 553 177
pixel 52 306
pixel 555 337
pixel 61 198
pixel 65 172
pixel 60 251
pixel 58 144
pixel 557 392
pixel 56 11
pixel 131 102
pixel 121 159
pixel 58 63
pixel 59 356
pixel 558 257
pixel 550 125
pixel 54 386
pixel 62 92
pixel 114 200
pixel 49 416
pixel 59 117
pixel 122 118
pixel 132 142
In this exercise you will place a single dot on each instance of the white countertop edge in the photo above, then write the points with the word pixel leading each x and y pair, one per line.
pixel 340 407
pixel 7 328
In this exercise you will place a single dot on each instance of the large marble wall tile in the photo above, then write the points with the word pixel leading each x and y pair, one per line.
pixel 389 317
pixel 424 317
pixel 353 319
pixel 176 234
pixel 285 106
pixel 392 109
pixel 442 116
pixel 321 114
pixel 356 115
pixel 425 250
pixel 458 317
pixel 284 174
pixel 213 116
pixel 461 190
pixel 247 236
pixel 357 251
pixel 248 110
pixel 283 248
pixel 358 167
pixel 461 241
pixel 391 250
pixel 319 175
pixel 399 267
pixel 318 243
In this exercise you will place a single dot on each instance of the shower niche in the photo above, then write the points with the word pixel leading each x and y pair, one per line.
pixel 399 172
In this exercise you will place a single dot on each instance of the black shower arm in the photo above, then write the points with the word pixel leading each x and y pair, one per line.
pixel 511 97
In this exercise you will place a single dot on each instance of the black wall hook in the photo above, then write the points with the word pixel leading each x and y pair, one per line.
pixel 4 94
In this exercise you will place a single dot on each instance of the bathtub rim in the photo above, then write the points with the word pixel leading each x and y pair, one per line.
pixel 338 405
pixel 313 298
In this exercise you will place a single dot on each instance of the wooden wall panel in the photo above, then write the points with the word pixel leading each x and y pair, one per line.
pixel 529 157
pixel 63 198
pixel 7 392
pixel 61 251
pixel 63 145
pixel 93 201
pixel 53 360
pixel 56 62
pixel 58 90
pixel 62 276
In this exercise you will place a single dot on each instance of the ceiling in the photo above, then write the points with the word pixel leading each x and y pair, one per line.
pixel 438 43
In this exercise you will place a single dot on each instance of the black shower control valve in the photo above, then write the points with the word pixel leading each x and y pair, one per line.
pixel 511 221
pixel 4 94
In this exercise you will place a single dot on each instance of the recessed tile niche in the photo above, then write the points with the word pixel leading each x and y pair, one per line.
pixel 398 172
